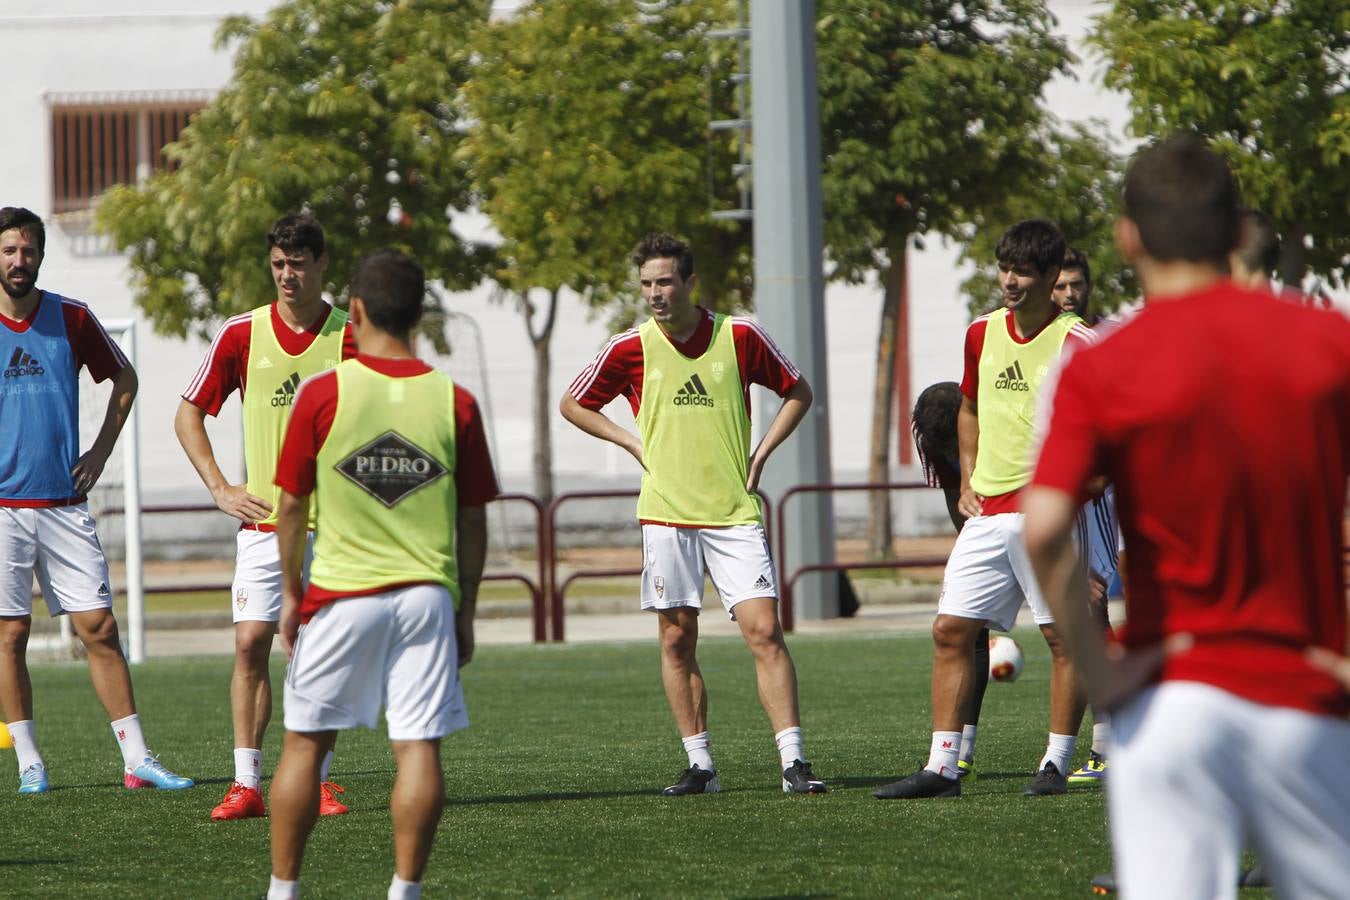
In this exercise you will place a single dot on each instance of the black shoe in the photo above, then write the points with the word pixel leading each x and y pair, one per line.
pixel 694 781
pixel 798 779
pixel 1254 877
pixel 1104 884
pixel 1048 781
pixel 922 783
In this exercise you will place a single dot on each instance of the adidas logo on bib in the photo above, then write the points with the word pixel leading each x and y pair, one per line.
pixel 285 395
pixel 1010 379
pixel 693 394
pixel 21 364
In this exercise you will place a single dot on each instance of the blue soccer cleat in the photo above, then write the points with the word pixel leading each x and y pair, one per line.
pixel 33 780
pixel 152 774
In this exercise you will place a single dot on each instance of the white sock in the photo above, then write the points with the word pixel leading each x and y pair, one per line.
pixel 943 753
pixel 405 890
pixel 25 743
pixel 327 764
pixel 1101 733
pixel 968 743
pixel 789 742
pixel 130 741
pixel 248 767
pixel 1059 752
pixel 283 890
pixel 696 745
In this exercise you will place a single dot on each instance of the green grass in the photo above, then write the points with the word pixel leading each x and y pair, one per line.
pixel 553 789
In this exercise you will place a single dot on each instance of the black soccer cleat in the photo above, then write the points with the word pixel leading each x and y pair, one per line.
pixel 694 781
pixel 1049 780
pixel 799 779
pixel 923 783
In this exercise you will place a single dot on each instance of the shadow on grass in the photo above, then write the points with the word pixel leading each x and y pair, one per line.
pixel 876 781
pixel 35 862
pixel 545 798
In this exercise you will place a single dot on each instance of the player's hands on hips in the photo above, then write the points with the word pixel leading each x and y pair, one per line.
pixel 1097 593
pixel 1332 663
pixel 87 470
pixel 756 469
pixel 969 504
pixel 235 500
pixel 464 638
pixel 1127 671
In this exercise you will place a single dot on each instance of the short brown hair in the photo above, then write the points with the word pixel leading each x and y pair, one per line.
pixel 661 245
pixel 1184 200
pixel 28 222
pixel 392 287
pixel 294 233
pixel 1077 259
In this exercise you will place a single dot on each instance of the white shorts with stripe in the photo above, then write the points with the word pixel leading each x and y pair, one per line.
pixel 736 558
pixel 58 544
pixel 989 574
pixel 395 650
pixel 1198 773
pixel 255 595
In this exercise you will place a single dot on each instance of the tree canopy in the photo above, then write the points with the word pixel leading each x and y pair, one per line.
pixel 1268 81
pixel 344 107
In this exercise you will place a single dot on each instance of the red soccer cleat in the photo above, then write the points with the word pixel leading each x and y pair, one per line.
pixel 329 804
pixel 240 803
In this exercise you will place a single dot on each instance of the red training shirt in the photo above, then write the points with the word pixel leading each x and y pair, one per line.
pixel 311 419
pixel 1080 336
pixel 225 368
pixel 1223 419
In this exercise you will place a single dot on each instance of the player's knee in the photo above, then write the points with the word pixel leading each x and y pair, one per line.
pixel 14 636
pixel 952 633
pixel 100 633
pixel 678 642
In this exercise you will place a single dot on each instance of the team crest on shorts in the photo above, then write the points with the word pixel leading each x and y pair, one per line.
pixel 660 584
pixel 241 599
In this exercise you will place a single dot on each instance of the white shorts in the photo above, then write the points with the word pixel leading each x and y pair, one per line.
pixel 394 650
pixel 989 574
pixel 736 558
pixel 256 591
pixel 60 545
pixel 1198 773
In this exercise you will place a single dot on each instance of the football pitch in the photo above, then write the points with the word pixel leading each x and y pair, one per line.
pixel 554 788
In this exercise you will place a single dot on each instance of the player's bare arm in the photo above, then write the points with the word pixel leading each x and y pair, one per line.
pixel 471 554
pixel 89 467
pixel 795 404
pixel 189 423
pixel 1109 675
pixel 1332 663
pixel 292 525
pixel 968 442
pixel 600 425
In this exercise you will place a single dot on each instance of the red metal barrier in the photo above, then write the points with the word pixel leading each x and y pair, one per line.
pixel 535 586
pixel 557 592
pixel 789 576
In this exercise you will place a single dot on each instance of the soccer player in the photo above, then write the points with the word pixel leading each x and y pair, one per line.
pixel 1098 530
pixel 1230 457
pixel 1007 355
pixel 687 372
pixel 263 354
pixel 1256 255
pixel 395 457
pixel 45 525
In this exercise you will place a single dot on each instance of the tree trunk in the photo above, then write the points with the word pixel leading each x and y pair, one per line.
pixel 879 532
pixel 1293 259
pixel 543 397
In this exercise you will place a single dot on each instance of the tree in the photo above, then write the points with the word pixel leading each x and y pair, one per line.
pixel 591 129
pixel 1075 184
pixel 341 106
pixel 928 108
pixel 1268 81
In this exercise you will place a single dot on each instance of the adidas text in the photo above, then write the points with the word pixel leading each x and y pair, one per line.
pixel 692 400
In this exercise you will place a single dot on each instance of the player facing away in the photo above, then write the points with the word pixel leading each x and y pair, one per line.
pixel 687 372
pixel 394 455
pixel 1230 457
pixel 1098 531
pixel 45 525
pixel 1008 354
pixel 263 354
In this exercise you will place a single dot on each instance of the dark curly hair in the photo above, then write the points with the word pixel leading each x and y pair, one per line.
pixel 933 423
pixel 661 245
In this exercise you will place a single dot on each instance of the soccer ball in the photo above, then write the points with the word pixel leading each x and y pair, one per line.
pixel 1005 658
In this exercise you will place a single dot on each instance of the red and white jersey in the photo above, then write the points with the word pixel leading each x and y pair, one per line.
pixel 90 344
pixel 1081 335
pixel 617 369
pixel 225 368
pixel 1222 418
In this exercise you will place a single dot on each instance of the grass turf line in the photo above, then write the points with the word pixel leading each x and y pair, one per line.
pixel 553 790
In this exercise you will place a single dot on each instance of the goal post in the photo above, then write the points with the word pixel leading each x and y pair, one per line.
pixel 115 502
